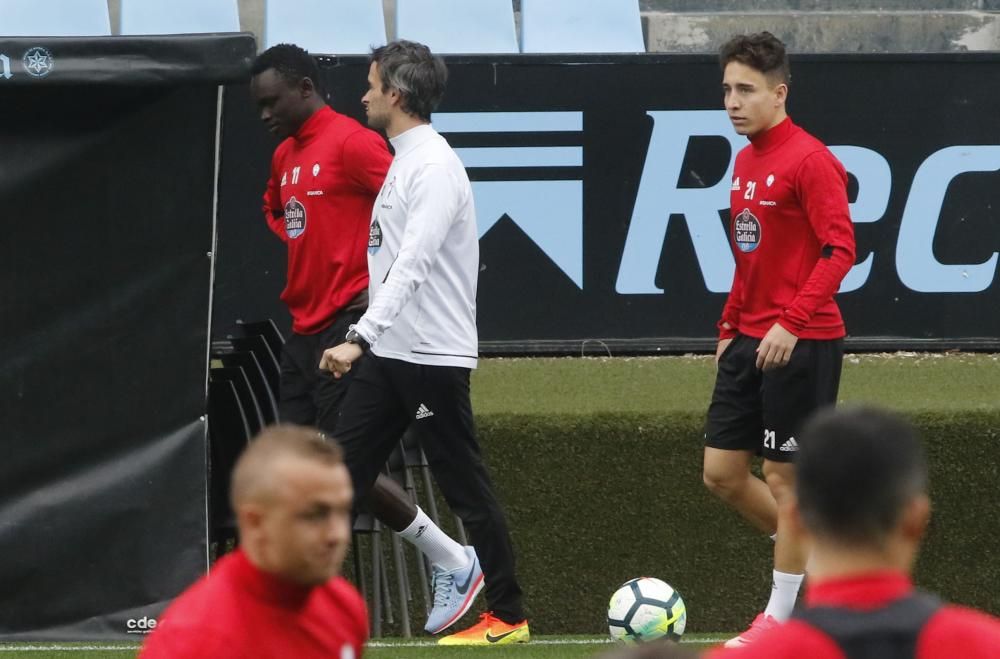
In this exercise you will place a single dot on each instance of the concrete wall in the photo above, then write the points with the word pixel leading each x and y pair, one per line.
pixel 805 25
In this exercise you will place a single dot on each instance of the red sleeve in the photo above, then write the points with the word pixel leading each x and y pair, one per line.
pixel 274 211
pixel 366 159
pixel 821 184
pixel 957 632
pixel 360 613
pixel 791 640
pixel 731 312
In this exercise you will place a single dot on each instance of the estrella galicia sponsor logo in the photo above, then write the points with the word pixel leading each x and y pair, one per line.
pixel 295 218
pixel 374 237
pixel 38 62
pixel 142 625
pixel 746 231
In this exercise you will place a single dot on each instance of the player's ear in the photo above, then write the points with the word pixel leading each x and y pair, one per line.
pixel 395 96
pixel 307 87
pixel 781 93
pixel 250 518
pixel 915 518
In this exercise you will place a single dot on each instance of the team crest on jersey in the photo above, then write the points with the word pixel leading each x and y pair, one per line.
pixel 295 218
pixel 770 180
pixel 746 231
pixel 374 237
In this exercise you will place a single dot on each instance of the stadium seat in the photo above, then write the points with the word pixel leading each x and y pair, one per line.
pixel 575 26
pixel 266 328
pixel 54 18
pixel 251 409
pixel 268 360
pixel 179 16
pixel 331 27
pixel 458 26
pixel 228 435
pixel 264 339
pixel 378 597
pixel 266 398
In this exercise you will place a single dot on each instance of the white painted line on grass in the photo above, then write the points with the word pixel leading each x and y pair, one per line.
pixel 371 644
pixel 546 641
pixel 68 648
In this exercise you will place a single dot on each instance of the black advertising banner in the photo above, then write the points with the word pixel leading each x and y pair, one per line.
pixel 140 60
pixel 108 194
pixel 602 193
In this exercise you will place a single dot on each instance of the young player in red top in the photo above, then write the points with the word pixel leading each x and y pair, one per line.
pixel 861 498
pixel 780 337
pixel 279 595
pixel 325 175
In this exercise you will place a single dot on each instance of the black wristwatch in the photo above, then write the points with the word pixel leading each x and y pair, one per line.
pixel 357 339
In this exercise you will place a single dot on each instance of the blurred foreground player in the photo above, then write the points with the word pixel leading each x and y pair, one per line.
pixel 279 594
pixel 862 502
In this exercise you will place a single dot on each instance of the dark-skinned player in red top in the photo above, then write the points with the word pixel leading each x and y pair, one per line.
pixel 781 334
pixel 861 499
pixel 325 175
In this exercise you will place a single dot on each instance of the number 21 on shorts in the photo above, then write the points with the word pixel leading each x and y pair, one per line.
pixel 769 439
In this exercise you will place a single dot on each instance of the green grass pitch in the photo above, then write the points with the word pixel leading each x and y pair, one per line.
pixel 542 647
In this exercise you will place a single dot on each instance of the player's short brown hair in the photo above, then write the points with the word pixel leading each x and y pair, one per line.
pixel 762 51
pixel 273 443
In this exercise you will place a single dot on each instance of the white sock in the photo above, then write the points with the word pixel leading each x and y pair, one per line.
pixel 440 549
pixel 783 593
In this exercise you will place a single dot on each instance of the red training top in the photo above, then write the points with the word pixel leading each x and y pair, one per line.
pixel 953 632
pixel 319 199
pixel 240 612
pixel 792 235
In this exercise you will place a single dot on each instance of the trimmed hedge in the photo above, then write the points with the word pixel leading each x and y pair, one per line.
pixel 598 464
pixel 595 500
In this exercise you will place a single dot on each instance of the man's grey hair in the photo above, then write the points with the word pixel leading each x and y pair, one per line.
pixel 416 73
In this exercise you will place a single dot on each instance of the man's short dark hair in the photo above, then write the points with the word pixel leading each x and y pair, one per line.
pixel 856 470
pixel 762 51
pixel 415 72
pixel 292 63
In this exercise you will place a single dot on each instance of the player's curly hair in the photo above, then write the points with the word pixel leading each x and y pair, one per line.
pixel 290 62
pixel 762 51
pixel 418 75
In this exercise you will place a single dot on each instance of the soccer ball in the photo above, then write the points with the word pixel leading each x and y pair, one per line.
pixel 646 609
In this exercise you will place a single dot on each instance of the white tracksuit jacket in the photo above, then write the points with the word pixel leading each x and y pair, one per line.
pixel 423 257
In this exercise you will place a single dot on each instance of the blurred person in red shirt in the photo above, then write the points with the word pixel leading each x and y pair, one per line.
pixel 279 594
pixel 861 502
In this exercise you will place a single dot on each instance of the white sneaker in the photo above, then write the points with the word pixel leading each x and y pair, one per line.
pixel 454 592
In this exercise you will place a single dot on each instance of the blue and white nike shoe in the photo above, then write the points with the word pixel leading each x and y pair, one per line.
pixel 454 591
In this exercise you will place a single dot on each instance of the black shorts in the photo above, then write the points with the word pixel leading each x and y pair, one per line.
pixel 762 412
pixel 307 395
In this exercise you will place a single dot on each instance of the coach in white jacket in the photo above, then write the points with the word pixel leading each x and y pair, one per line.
pixel 420 330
